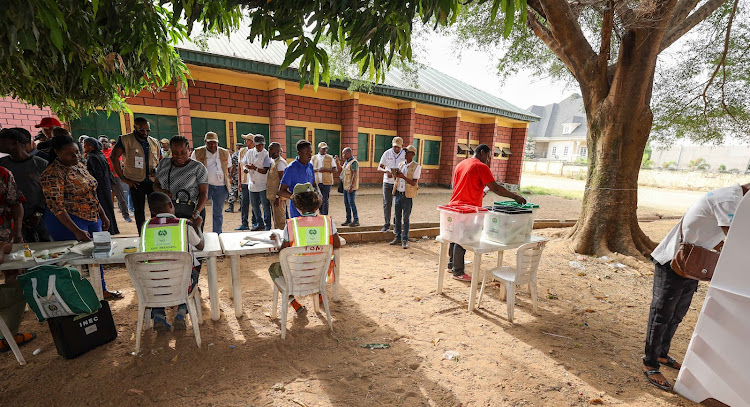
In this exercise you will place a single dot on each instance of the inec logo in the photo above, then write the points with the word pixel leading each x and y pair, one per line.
pixel 162 233
pixel 312 232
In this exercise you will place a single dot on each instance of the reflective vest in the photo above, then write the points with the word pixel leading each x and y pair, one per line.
pixel 310 231
pixel 164 235
pixel 134 153
pixel 201 153
pixel 349 174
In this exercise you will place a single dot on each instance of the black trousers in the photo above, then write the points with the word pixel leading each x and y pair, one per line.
pixel 139 202
pixel 672 296
pixel 456 260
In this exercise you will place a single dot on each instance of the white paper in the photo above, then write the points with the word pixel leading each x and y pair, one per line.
pixel 139 162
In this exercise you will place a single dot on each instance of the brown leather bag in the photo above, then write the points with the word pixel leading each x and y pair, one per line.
pixel 694 262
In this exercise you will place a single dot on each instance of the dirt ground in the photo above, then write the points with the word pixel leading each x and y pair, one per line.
pixel 584 345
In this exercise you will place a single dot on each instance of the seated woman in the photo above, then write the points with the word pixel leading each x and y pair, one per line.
pixel 73 210
pixel 98 167
pixel 307 202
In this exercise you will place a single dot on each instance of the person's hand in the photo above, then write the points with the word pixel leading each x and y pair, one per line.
pixel 276 201
pixel 82 236
pixel 390 175
pixel 196 214
pixel 105 223
pixel 17 237
pixel 351 189
pixel 519 199
pixel 273 237
pixel 130 183
pixel 5 248
pixel 197 220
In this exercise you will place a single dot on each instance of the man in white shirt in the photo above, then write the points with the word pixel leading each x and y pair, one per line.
pixel 391 159
pixel 257 163
pixel 324 166
pixel 217 162
pixel 705 224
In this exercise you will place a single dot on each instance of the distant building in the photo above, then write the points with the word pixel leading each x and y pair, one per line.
pixel 560 134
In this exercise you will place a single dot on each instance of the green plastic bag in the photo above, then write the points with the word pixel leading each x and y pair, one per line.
pixel 54 291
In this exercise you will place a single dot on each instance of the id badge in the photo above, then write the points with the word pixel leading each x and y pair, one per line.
pixel 139 161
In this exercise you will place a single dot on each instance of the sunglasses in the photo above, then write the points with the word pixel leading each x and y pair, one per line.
pixel 143 130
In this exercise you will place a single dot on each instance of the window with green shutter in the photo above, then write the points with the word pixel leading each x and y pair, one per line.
pixel 97 124
pixel 331 137
pixel 363 147
pixel 293 135
pixel 252 128
pixel 416 145
pixel 202 126
pixel 382 144
pixel 161 126
pixel 431 154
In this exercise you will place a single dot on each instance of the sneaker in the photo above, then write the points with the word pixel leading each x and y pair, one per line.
pixel 230 209
pixel 405 244
pixel 345 223
pixel 161 324
pixel 395 241
pixel 463 277
pixel 385 228
pixel 354 224
pixel 243 227
pixel 128 220
pixel 179 322
pixel 302 312
pixel 257 228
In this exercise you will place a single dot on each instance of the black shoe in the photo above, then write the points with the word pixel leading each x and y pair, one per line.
pixel 257 228
pixel 405 244
pixel 384 228
pixel 243 227
pixel 354 224
pixel 345 223
pixel 395 241
pixel 230 209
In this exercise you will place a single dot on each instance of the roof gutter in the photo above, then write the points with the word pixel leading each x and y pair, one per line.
pixel 266 69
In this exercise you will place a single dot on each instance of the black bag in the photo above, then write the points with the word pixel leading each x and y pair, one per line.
pixel 183 208
pixel 341 187
pixel 77 334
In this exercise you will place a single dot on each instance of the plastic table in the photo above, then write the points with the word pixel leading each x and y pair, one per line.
pixel 231 243
pixel 479 248
pixel 37 247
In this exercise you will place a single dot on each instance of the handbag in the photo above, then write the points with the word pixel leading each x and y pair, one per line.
pixel 54 291
pixel 694 262
pixel 183 208
pixel 341 187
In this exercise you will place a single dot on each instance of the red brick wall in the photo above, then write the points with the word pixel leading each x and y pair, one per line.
pixel 432 126
pixel 466 128
pixel 349 124
pixel 377 117
pixel 214 97
pixel 14 113
pixel 277 99
pixel 313 109
pixel 165 97
pixel 517 143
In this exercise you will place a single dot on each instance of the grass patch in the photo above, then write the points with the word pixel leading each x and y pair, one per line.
pixel 534 190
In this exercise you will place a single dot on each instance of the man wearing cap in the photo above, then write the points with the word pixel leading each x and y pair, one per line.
pixel 45 134
pixel 165 152
pixel 349 168
pixel 256 163
pixel 299 171
pixel 216 161
pixel 404 190
pixel 390 160
pixel 244 178
pixel 26 169
pixel 324 166
pixel 234 184
pixel 273 180
pixel 141 154
pixel 117 186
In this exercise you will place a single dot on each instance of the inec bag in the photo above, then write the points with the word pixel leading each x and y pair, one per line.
pixel 694 262
pixel 54 291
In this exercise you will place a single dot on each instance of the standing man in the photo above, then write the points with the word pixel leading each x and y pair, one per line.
pixel 234 184
pixel 165 152
pixel 350 180
pixel 273 180
pixel 469 179
pixel 324 166
pixel 216 161
pixel 391 159
pixel 406 188
pixel 244 179
pixel 141 154
pixel 299 171
pixel 117 190
pixel 47 124
pixel 257 163
pixel 705 224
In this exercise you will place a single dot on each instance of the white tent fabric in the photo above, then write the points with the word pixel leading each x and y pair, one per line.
pixel 717 363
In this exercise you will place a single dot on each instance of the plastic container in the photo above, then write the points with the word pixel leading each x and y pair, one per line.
pixel 513 204
pixel 461 223
pixel 506 224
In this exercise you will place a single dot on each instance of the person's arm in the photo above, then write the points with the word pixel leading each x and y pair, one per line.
pixel 202 199
pixel 117 166
pixel 267 163
pixel 336 241
pixel 196 223
pixel 500 190
pixel 81 235
pixel 355 174
pixel 16 211
pixel 158 188
pixel 381 166
pixel 284 191
pixel 104 218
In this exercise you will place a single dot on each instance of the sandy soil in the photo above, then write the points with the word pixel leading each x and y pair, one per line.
pixel 583 345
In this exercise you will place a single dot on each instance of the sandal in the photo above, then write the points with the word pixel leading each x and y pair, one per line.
pixel 648 373
pixel 113 295
pixel 671 363
pixel 21 339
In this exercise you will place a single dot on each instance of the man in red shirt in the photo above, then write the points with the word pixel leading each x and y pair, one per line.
pixel 469 180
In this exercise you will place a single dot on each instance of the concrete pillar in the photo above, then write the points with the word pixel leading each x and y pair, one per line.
pixel 517 145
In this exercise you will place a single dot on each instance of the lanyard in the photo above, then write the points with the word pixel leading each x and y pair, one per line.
pixel 396 157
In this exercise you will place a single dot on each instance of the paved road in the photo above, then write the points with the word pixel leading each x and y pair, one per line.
pixel 673 202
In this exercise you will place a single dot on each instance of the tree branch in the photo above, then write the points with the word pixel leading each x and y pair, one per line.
pixel 607 22
pixel 674 33
pixel 681 11
pixel 568 34
pixel 546 36
pixel 721 65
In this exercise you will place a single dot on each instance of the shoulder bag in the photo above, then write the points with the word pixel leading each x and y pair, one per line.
pixel 183 207
pixel 694 262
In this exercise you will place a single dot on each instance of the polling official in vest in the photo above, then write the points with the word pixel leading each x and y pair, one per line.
pixel 256 164
pixel 165 151
pixel 165 232
pixel 404 190
pixel 300 171
pixel 324 166
pixel 184 180
pixel 390 160
pixel 73 209
pixel 705 224
pixel 141 154
pixel 244 179
pixel 349 183
pixel 273 180
pixel 308 229
pixel 216 160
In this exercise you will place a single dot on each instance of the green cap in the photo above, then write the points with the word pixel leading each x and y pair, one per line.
pixel 301 188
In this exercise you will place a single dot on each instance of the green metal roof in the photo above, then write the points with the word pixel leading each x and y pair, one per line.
pixel 431 87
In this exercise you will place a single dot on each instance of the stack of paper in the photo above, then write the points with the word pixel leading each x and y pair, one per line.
pixel 102 245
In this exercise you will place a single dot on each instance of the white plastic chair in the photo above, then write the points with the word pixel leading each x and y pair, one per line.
pixel 304 273
pixel 8 335
pixel 161 279
pixel 527 263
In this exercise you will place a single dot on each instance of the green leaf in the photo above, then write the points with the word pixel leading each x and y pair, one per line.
pixel 56 36
pixel 493 12
pixel 510 14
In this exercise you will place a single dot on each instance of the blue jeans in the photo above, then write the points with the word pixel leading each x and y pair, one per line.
pixel 325 190
pixel 403 211
pixel 217 194
pixel 351 206
pixel 58 232
pixel 126 193
pixel 245 206
pixel 264 219
pixel 387 202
